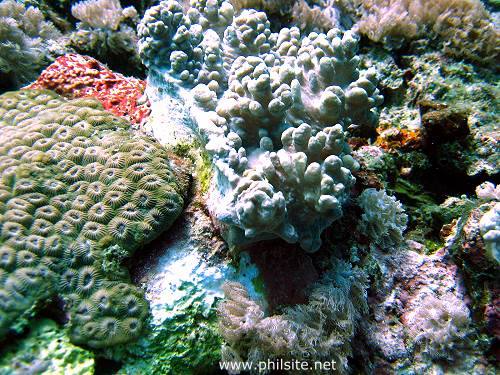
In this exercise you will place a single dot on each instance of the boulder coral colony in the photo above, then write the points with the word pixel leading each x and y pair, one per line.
pixel 347 148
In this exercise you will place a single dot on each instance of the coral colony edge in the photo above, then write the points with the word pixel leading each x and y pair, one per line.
pixel 196 187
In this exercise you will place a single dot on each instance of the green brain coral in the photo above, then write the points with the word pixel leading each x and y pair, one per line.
pixel 76 190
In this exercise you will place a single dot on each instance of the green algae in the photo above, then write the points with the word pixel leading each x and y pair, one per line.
pixel 185 343
pixel 46 350
pixel 196 153
pixel 259 285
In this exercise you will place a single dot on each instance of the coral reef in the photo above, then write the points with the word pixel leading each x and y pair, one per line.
pixel 104 33
pixel 26 43
pixel 320 330
pixel 465 27
pixel 46 350
pixel 383 219
pixel 307 222
pixel 78 195
pixel 421 320
pixel 77 76
pixel 277 135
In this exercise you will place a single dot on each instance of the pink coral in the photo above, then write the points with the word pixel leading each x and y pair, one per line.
pixel 78 76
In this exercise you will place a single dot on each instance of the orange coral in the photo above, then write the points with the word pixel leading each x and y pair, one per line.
pixel 399 139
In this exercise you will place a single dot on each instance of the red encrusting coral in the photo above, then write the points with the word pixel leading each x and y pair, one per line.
pixel 78 76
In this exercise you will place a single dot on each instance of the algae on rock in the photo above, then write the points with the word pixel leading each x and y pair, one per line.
pixel 46 350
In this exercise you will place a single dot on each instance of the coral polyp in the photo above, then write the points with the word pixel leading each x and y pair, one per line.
pixel 60 211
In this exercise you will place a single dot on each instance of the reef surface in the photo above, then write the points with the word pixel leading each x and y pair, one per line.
pixel 249 186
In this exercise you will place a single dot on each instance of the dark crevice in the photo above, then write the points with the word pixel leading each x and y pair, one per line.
pixel 105 366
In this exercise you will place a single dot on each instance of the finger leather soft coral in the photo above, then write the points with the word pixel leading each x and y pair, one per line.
pixel 78 193
pixel 277 134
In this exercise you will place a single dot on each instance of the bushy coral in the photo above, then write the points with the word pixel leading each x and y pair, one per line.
pixel 104 33
pixel 75 185
pixel 294 192
pixel 439 324
pixel 307 17
pixel 25 42
pixel 104 14
pixel 278 133
pixel 293 179
pixel 327 324
pixel 465 26
pixel 77 76
pixel 321 330
pixel 383 220
pixel 329 87
pixel 248 333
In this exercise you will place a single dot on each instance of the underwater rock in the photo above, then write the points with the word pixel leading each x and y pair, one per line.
pixel 45 350
pixel 287 272
pixel 421 319
pixel 475 235
pixel 392 139
pixel 376 167
pixel 463 87
pixel 183 274
pixel 183 283
pixel 77 76
pixel 442 123
pixel 476 251
pixel 79 193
